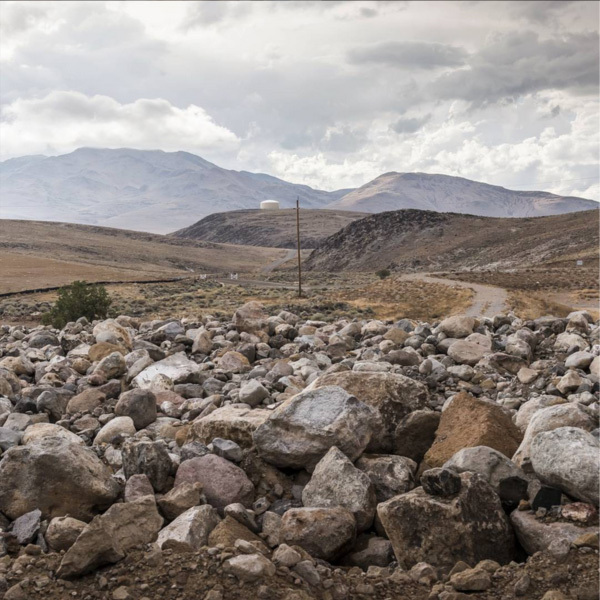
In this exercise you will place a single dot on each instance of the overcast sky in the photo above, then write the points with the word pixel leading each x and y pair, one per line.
pixel 330 94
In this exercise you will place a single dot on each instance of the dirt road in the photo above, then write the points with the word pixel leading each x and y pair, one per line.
pixel 487 301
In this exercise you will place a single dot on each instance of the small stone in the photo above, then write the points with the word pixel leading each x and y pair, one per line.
pixel 471 580
pixel 250 567
pixel 227 449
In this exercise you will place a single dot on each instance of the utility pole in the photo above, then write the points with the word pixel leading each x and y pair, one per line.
pixel 298 243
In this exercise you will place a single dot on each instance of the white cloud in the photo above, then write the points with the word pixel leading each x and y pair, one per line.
pixel 63 121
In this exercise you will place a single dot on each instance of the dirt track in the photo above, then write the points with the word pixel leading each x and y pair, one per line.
pixel 487 302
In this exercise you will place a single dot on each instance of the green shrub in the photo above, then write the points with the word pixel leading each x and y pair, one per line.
pixel 79 299
pixel 383 273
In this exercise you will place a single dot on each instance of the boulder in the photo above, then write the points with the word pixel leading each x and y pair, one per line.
pixel 109 537
pixel 325 533
pixel 136 487
pixel 390 475
pixel 177 367
pixel 536 535
pixel 459 326
pixel 391 395
pixel 251 318
pixel 148 458
pixel 470 422
pixel 437 529
pixel 253 393
pixel 415 434
pixel 529 408
pixel 508 480
pixel 139 405
pixel 547 419
pixel 228 422
pixel 569 459
pixel 250 567
pixel 86 401
pixel 222 482
pixel 39 431
pixel 180 498
pixel 62 532
pixel 370 550
pixel 466 353
pixel 58 477
pixel 112 366
pixel 112 332
pixel 337 482
pixel 228 531
pixel 26 528
pixel 234 362
pixel 441 482
pixel 190 530
pixel 300 431
pixel 118 428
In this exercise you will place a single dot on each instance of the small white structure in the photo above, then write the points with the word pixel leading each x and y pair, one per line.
pixel 269 205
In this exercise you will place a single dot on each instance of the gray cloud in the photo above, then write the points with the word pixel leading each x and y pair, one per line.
pixel 520 63
pixel 409 55
pixel 410 125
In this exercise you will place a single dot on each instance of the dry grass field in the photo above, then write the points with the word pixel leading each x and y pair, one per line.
pixel 37 254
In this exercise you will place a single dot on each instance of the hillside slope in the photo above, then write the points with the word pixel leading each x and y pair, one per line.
pixel 274 228
pixel 136 189
pixel 430 241
pixel 443 193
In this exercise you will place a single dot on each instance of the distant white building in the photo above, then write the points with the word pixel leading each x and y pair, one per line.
pixel 269 205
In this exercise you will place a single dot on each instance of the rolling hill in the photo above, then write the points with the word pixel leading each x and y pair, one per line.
pixel 443 193
pixel 429 241
pixel 274 228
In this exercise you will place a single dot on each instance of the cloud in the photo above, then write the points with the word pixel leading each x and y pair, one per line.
pixel 409 55
pixel 410 125
pixel 63 121
pixel 519 63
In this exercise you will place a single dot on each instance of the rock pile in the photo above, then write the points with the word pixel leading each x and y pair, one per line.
pixel 300 451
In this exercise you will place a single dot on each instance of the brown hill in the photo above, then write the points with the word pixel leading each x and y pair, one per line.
pixel 431 241
pixel 38 254
pixel 274 228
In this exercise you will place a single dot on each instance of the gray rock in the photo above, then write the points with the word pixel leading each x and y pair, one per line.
pixel 568 458
pixel 227 449
pixel 139 405
pixel 190 530
pixel 390 475
pixel 9 438
pixel 250 567
pixel 370 550
pixel 149 458
pixel 337 482
pixel 27 527
pixel 253 393
pixel 437 529
pixel 180 498
pixel 177 367
pixel 301 431
pixel 415 434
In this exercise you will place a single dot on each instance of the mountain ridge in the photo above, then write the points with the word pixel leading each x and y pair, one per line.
pixel 162 192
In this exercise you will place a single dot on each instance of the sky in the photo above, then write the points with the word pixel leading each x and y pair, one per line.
pixel 328 94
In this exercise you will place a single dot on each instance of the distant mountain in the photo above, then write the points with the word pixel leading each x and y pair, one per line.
pixel 423 240
pixel 273 228
pixel 141 190
pixel 162 192
pixel 443 193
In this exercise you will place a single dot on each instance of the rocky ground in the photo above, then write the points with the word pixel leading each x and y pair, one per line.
pixel 276 456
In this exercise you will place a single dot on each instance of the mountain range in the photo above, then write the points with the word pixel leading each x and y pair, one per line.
pixel 161 192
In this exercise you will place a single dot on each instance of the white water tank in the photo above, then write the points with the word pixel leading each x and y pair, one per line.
pixel 269 205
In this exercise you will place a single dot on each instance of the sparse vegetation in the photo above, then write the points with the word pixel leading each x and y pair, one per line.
pixel 383 273
pixel 76 300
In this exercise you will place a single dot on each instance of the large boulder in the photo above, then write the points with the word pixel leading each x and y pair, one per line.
pixel 536 535
pixel 108 537
pixel 62 532
pixel 325 533
pixel 569 459
pixel 415 434
pixel 251 318
pixel 230 423
pixel 112 332
pixel 469 422
pixel 39 431
pixel 390 475
pixel 58 477
pixel 509 482
pixel 391 395
pixel 190 530
pixel 144 457
pixel 139 405
pixel 223 482
pixel 177 367
pixel 548 419
pixel 459 326
pixel 337 482
pixel 466 353
pixel 470 525
pixel 301 431
pixel 86 401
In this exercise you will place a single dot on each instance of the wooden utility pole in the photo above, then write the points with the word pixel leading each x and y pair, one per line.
pixel 298 242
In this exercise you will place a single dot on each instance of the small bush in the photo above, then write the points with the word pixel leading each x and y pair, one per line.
pixel 79 299
pixel 383 273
